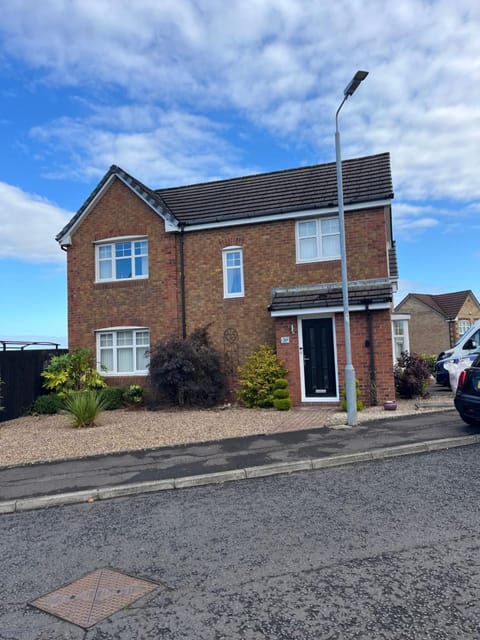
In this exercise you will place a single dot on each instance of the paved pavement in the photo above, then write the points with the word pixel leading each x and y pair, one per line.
pixel 102 477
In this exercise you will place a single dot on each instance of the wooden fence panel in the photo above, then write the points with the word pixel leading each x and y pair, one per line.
pixel 22 384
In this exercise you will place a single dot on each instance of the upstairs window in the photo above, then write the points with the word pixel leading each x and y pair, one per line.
pixel 233 272
pixel 463 326
pixel 122 260
pixel 318 239
pixel 123 351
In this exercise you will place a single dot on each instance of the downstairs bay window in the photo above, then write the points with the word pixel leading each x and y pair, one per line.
pixel 123 351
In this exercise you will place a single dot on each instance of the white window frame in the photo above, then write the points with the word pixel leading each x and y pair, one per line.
pixel 112 242
pixel 318 236
pixel 115 346
pixel 400 338
pixel 226 268
pixel 465 324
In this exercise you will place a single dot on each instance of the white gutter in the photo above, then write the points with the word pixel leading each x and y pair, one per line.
pixel 282 216
pixel 312 311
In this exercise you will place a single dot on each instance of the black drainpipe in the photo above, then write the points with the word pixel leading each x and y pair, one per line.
pixel 371 367
pixel 182 281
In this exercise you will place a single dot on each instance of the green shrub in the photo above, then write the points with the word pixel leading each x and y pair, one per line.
pixel 358 395
pixel 411 375
pixel 429 360
pixel 133 394
pixel 281 393
pixel 282 404
pixel 187 372
pixel 84 406
pixel 258 375
pixel 47 404
pixel 113 397
pixel 73 371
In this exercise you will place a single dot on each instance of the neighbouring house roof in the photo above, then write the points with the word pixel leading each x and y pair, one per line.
pixel 365 180
pixel 446 304
pixel 329 295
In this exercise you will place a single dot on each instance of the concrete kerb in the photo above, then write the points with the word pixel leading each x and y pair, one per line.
pixel 76 497
pixel 277 468
pixel 40 502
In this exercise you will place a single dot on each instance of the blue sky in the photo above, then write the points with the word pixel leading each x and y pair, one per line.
pixel 180 91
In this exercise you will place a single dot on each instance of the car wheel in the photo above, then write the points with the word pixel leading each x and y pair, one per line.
pixel 471 421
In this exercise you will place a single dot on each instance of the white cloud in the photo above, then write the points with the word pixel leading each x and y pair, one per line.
pixel 161 148
pixel 280 64
pixel 29 225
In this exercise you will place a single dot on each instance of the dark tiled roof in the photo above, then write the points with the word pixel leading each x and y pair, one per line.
pixel 364 180
pixel 154 199
pixel 392 261
pixel 330 295
pixel 446 304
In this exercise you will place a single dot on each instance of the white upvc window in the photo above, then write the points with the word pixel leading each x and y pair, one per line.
pixel 121 259
pixel 400 336
pixel 123 351
pixel 463 326
pixel 318 239
pixel 233 272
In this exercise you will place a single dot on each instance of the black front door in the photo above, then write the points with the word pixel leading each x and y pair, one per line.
pixel 319 358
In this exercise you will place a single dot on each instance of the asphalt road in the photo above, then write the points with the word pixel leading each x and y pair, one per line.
pixel 372 551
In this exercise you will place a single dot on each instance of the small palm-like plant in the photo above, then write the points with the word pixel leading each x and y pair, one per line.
pixel 84 407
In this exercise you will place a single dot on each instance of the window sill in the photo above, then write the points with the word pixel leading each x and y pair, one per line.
pixel 124 374
pixel 315 260
pixel 128 282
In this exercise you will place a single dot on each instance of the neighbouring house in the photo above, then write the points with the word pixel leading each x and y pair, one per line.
pixel 436 322
pixel 257 258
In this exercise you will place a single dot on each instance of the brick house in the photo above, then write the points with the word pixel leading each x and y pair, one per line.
pixel 256 258
pixel 436 322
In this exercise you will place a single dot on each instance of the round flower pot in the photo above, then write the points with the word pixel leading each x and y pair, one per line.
pixel 390 405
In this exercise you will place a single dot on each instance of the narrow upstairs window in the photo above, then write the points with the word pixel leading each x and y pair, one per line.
pixel 233 272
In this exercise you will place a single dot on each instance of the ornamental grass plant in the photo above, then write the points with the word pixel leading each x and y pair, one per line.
pixel 84 407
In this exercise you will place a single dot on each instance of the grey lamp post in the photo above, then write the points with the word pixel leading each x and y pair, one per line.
pixel 350 387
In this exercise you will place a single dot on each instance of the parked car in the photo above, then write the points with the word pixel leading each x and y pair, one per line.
pixel 467 397
pixel 466 345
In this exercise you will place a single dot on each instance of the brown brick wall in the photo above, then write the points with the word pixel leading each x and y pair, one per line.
pixel 151 302
pixel 269 261
pixel 359 334
pixel 288 353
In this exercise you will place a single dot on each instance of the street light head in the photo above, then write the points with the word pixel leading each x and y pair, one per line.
pixel 352 86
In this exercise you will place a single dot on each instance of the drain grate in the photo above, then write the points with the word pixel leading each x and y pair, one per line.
pixel 94 597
